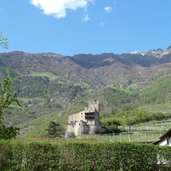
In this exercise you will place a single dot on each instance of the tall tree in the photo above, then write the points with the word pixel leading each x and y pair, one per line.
pixel 54 130
pixel 7 95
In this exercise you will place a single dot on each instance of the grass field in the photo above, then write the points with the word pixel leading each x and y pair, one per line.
pixel 163 107
pixel 142 133
pixel 50 75
pixel 159 126
pixel 139 137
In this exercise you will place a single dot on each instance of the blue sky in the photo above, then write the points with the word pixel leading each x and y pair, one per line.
pixel 71 27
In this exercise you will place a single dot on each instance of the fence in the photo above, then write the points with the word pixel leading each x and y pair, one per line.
pixel 143 136
pixel 144 132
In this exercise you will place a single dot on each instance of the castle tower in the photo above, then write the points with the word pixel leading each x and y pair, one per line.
pixel 85 122
pixel 81 128
pixel 94 104
pixel 92 116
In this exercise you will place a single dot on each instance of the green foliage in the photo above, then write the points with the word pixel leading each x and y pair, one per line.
pixel 7 95
pixel 112 97
pixel 3 41
pixel 81 156
pixel 133 115
pixel 8 132
pixel 159 91
pixel 117 96
pixel 110 127
pixel 43 87
pixel 54 130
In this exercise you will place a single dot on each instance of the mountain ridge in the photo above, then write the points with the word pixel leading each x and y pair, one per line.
pixel 50 85
pixel 100 70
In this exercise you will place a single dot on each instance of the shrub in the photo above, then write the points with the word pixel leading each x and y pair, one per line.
pixel 8 132
pixel 80 156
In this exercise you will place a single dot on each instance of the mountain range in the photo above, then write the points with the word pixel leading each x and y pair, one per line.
pixel 53 85
pixel 102 70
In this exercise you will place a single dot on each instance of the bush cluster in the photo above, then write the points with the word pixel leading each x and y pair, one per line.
pixel 81 156
pixel 133 115
pixel 8 132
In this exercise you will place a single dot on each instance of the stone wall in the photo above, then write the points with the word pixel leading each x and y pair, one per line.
pixel 84 122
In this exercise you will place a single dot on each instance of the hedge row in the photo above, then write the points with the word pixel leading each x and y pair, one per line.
pixel 81 156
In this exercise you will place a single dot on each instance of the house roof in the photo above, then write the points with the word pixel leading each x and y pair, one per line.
pixel 157 142
pixel 166 135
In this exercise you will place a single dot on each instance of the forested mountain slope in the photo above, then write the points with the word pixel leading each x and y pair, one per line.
pixel 52 85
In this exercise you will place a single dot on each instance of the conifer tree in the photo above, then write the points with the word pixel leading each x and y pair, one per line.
pixel 54 130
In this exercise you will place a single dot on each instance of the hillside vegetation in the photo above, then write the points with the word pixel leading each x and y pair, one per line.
pixel 158 91
pixel 52 86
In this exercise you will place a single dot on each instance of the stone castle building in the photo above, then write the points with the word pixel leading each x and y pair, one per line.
pixel 84 122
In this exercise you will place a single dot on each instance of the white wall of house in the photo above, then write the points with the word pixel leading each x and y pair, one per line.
pixel 169 141
pixel 165 142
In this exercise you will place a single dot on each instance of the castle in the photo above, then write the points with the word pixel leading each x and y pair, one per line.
pixel 84 122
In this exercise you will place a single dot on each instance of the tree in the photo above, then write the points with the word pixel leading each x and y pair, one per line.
pixel 110 127
pixel 8 132
pixel 3 41
pixel 7 96
pixel 54 130
pixel 7 93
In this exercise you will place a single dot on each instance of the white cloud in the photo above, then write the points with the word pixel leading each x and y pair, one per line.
pixel 86 18
pixel 57 8
pixel 108 9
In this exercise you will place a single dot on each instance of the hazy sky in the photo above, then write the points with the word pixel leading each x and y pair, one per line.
pixel 86 26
